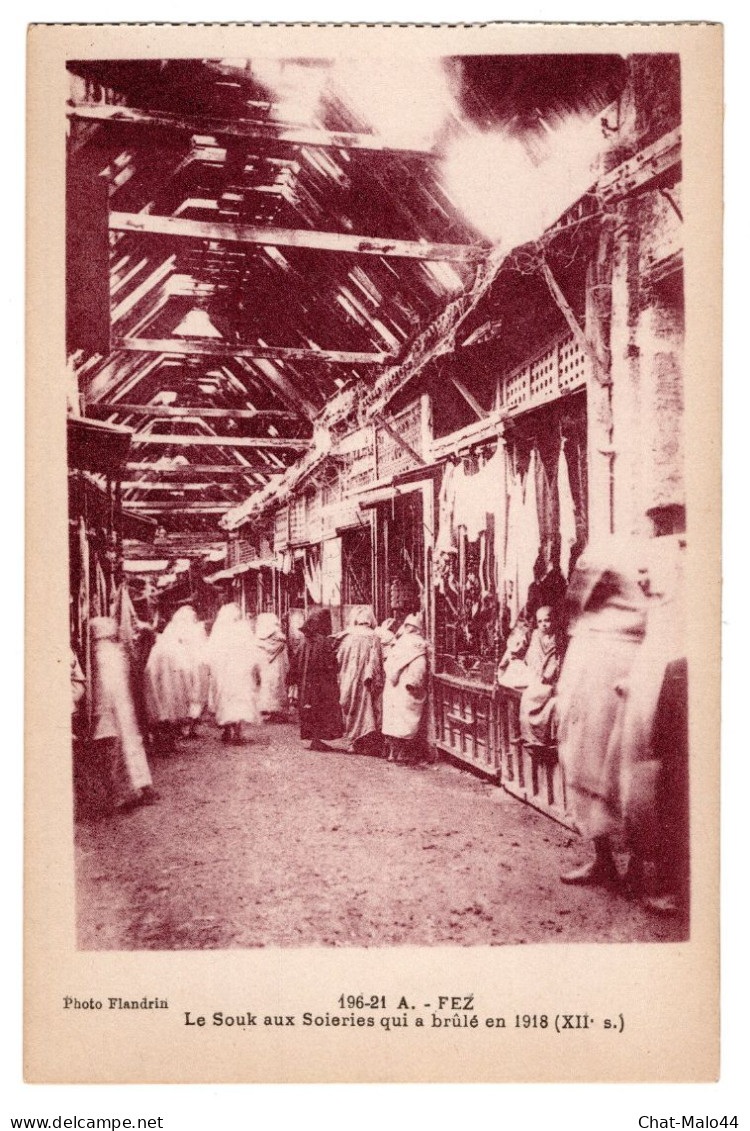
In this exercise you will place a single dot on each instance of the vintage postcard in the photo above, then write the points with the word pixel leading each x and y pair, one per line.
pixel 374 385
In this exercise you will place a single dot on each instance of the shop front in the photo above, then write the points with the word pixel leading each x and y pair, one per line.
pixel 511 519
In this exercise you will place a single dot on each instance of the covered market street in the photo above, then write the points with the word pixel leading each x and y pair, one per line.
pixel 384 422
pixel 272 845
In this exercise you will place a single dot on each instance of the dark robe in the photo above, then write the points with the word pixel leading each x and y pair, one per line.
pixel 319 708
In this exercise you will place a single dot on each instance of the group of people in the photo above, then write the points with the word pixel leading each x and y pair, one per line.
pixel 237 673
pixel 367 684
pixel 609 696
pixel 148 689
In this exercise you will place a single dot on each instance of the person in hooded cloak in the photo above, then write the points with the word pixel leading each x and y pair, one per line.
pixel 235 672
pixel 591 694
pixel 405 691
pixel 115 735
pixel 273 664
pixel 361 681
pixel 169 682
pixel 655 741
pixel 193 639
pixel 319 708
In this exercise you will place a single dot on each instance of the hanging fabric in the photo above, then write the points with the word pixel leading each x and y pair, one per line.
pixel 126 618
pixel 514 534
pixel 493 491
pixel 445 540
pixel 444 553
pixel 313 574
pixel 102 604
pixel 331 572
pixel 528 545
pixel 567 511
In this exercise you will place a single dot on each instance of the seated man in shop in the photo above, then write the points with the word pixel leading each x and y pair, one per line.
pixel 542 659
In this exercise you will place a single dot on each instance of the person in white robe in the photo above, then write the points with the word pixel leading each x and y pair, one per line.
pixel 169 684
pixel 115 735
pixel 235 673
pixel 592 690
pixel 405 691
pixel 273 661
pixel 191 634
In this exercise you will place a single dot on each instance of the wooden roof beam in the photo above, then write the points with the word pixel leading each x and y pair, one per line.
pixel 342 242
pixel 188 470
pixel 245 127
pixel 151 485
pixel 210 347
pixel 180 411
pixel 147 507
pixel 259 442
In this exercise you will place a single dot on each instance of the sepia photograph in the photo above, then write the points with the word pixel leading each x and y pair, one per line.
pixel 377 506
pixel 380 495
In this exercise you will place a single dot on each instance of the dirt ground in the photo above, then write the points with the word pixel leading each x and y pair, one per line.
pixel 272 845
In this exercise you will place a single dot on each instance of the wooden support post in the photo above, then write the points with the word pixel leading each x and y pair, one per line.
pixel 87 256
pixel 118 529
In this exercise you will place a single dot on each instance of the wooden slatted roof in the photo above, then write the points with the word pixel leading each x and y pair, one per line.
pixel 256 267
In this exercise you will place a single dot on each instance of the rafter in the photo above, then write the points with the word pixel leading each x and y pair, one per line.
pixel 148 507
pixel 150 485
pixel 210 347
pixel 122 373
pixel 144 288
pixel 178 227
pixel 435 339
pixel 259 442
pixel 187 471
pixel 244 127
pixel 160 410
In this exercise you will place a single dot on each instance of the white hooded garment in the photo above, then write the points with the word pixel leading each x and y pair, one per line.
pixel 234 667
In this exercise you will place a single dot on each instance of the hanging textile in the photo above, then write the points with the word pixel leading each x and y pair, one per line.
pixel 102 605
pixel 444 553
pixel 128 623
pixel 514 534
pixel 500 509
pixel 313 574
pixel 528 544
pixel 567 511
pixel 445 539
pixel 331 570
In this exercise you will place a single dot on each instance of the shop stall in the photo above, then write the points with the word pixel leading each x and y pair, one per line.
pixel 512 515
